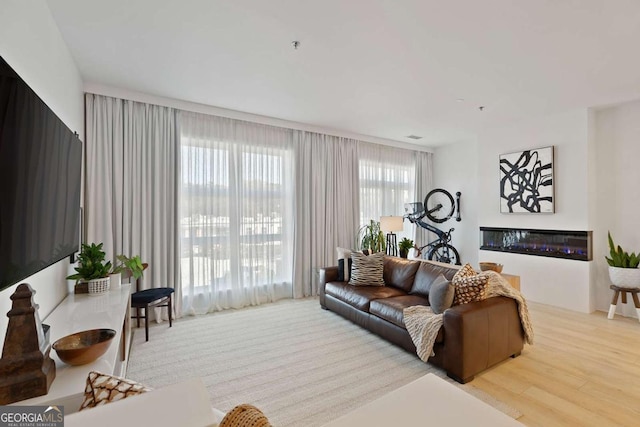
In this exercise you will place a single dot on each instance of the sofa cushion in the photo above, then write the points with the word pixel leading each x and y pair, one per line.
pixel 359 296
pixel 469 286
pixel 367 270
pixel 391 309
pixel 441 294
pixel 399 272
pixel 426 274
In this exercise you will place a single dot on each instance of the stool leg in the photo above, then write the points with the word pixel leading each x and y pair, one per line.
pixel 146 322
pixel 170 310
pixel 624 297
pixel 636 303
pixel 612 307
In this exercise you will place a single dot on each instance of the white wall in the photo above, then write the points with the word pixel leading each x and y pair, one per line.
pixel 455 168
pixel 31 43
pixel 617 150
pixel 563 283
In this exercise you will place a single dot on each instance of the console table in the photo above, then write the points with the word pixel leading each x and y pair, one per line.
pixel 79 312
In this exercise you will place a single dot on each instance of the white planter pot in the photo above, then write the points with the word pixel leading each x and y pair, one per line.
pixel 98 286
pixel 625 277
pixel 115 280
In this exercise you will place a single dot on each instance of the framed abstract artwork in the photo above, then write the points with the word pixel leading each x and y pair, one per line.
pixel 526 181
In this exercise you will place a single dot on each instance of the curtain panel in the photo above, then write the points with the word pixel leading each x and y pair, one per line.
pixel 387 179
pixel 236 213
pixel 327 204
pixel 131 187
pixel 424 184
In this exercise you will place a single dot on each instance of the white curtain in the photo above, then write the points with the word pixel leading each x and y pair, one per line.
pixel 424 184
pixel 236 213
pixel 131 187
pixel 326 204
pixel 387 179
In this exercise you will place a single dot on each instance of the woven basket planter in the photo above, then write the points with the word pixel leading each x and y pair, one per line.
pixel 625 277
pixel 98 286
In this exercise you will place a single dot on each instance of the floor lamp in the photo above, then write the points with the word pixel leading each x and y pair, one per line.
pixel 389 224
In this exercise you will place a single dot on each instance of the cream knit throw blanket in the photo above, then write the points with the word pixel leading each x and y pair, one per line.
pixel 423 324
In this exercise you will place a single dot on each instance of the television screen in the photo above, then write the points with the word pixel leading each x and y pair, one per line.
pixel 40 182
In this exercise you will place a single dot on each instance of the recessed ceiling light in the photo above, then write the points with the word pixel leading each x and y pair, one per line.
pixel 460 100
pixel 414 137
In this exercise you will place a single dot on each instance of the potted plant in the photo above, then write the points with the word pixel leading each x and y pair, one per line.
pixel 405 246
pixel 92 268
pixel 132 264
pixel 371 238
pixel 623 267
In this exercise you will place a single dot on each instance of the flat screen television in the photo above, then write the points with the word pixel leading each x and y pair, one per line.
pixel 40 182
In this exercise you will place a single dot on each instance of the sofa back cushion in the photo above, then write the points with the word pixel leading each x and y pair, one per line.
pixel 427 273
pixel 400 272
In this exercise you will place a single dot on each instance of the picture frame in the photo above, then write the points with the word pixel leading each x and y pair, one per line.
pixel 527 181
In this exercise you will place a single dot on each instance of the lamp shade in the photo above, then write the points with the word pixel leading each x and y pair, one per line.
pixel 390 224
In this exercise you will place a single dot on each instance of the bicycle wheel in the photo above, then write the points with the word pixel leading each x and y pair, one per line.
pixel 444 252
pixel 439 205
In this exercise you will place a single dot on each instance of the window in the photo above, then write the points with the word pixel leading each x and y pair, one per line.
pixel 236 216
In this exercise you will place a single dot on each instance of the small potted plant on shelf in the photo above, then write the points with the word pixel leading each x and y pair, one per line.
pixel 371 238
pixel 92 269
pixel 404 247
pixel 131 264
pixel 623 267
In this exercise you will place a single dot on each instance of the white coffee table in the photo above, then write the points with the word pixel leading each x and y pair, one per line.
pixel 426 401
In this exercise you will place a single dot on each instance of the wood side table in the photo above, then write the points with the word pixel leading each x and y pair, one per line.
pixel 513 280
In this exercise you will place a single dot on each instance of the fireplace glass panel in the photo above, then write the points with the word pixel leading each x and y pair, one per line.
pixel 550 243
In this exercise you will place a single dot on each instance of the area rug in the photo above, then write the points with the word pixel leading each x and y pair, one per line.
pixel 301 365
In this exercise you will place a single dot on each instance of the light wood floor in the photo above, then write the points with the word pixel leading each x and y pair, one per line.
pixel 583 370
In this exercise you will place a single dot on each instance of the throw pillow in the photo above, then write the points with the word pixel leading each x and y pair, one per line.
pixel 367 270
pixel 469 286
pixel 441 294
pixel 245 415
pixel 103 388
pixel 344 264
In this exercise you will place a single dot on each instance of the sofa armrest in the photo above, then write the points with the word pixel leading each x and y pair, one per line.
pixel 327 274
pixel 479 335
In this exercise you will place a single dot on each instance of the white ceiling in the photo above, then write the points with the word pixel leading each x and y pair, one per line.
pixel 386 68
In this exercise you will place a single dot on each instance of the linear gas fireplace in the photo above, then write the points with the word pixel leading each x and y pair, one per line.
pixel 549 243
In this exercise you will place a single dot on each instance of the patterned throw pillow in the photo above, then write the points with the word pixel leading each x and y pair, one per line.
pixel 470 286
pixel 367 270
pixel 102 389
pixel 344 264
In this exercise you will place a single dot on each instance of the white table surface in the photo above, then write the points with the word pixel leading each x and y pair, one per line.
pixel 427 401
pixel 79 313
pixel 180 405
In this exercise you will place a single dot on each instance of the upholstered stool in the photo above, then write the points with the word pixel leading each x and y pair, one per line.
pixel 619 290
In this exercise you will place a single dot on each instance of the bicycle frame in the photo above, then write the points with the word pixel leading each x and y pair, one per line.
pixel 443 236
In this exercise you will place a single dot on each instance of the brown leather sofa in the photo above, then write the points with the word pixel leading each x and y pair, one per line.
pixel 473 337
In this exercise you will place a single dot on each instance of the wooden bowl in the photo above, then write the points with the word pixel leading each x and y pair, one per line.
pixel 83 347
pixel 484 266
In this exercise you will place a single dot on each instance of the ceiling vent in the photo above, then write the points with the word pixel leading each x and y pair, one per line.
pixel 414 137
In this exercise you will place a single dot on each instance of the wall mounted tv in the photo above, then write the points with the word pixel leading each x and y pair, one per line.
pixel 40 179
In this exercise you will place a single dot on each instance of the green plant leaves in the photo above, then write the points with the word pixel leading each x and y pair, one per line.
pixel 91 263
pixel 620 258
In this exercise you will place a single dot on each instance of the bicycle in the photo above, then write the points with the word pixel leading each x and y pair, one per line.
pixel 433 208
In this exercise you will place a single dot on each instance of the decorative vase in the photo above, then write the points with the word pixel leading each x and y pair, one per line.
pixel 625 277
pixel 404 253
